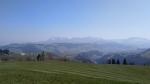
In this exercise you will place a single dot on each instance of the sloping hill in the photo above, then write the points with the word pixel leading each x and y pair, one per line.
pixel 57 72
pixel 68 47
pixel 146 53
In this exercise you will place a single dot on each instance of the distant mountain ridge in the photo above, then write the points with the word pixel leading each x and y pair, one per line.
pixel 71 46
pixel 134 41
pixel 74 40
pixel 92 50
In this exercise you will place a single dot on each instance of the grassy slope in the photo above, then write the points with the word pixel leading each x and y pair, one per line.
pixel 55 72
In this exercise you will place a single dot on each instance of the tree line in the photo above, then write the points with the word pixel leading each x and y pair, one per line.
pixel 4 52
pixel 40 57
pixel 114 61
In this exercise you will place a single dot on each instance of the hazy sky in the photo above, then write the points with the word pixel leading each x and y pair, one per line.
pixel 36 20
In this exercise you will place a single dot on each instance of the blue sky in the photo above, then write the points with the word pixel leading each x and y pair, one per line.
pixel 36 20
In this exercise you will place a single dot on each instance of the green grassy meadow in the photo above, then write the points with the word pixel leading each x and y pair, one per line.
pixel 58 72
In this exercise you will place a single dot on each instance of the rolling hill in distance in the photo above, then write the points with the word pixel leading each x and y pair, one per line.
pixel 91 50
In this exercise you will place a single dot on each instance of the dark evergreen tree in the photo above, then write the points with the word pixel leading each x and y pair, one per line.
pixel 125 61
pixel 6 51
pixel 113 61
pixel 118 62
pixel 39 57
pixel 109 61
pixel 1 51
